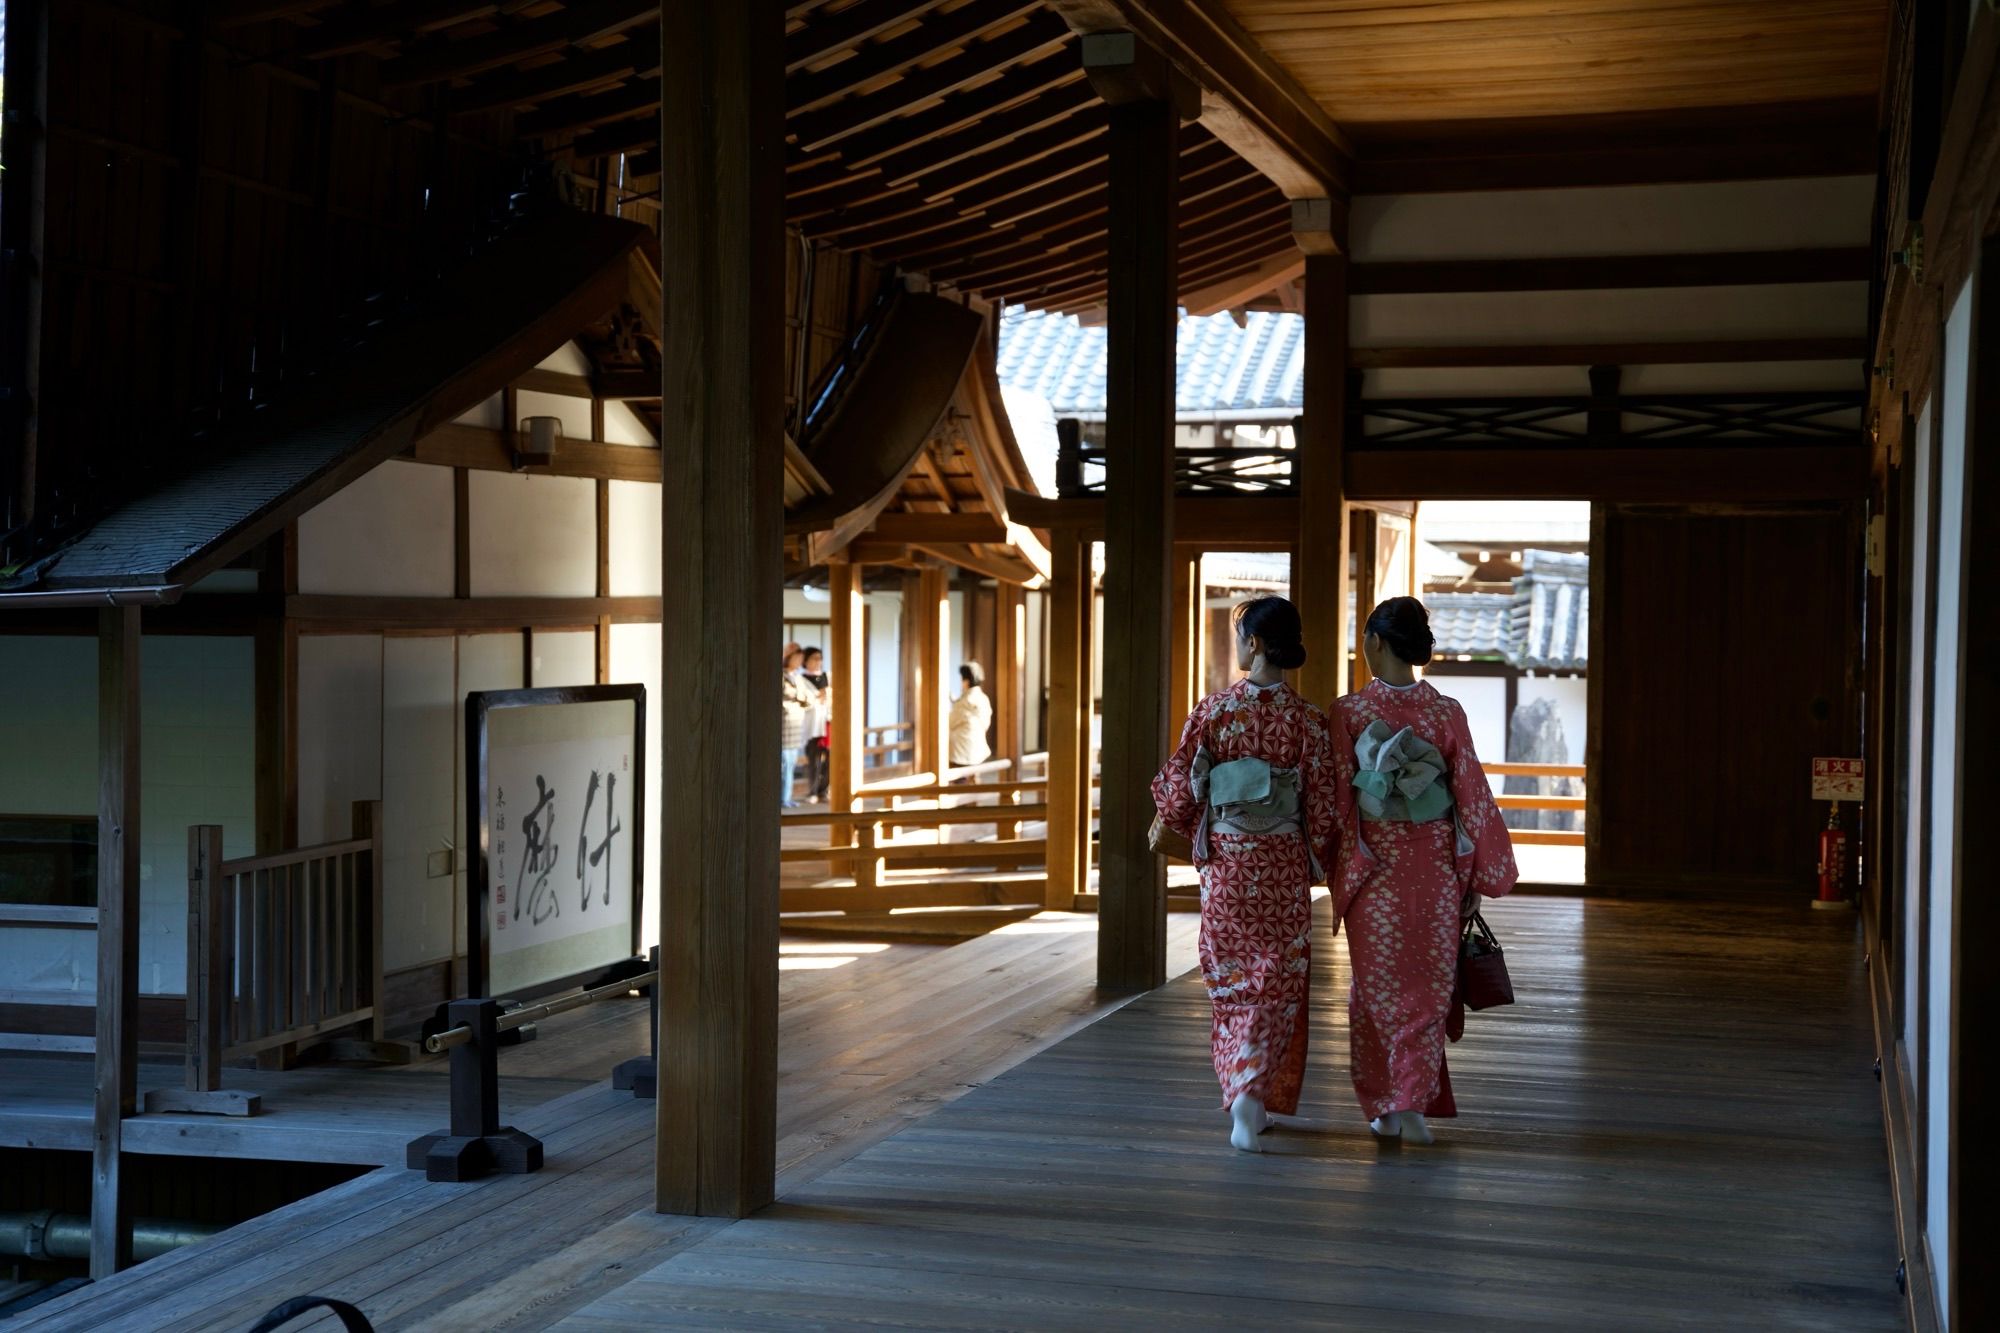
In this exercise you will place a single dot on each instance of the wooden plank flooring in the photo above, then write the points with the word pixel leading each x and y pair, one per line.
pixel 874 1038
pixel 1676 1127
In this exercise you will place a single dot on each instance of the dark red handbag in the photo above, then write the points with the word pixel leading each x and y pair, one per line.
pixel 1483 982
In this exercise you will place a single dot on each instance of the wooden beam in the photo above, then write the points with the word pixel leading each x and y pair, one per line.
pixel 578 25
pixel 584 110
pixel 933 673
pixel 1720 352
pixel 1248 101
pixel 722 256
pixel 449 613
pixel 1687 475
pixel 23 216
pixel 1319 577
pixel 487 450
pixel 929 528
pixel 962 111
pixel 385 25
pixel 1009 679
pixel 1599 272
pixel 808 92
pixel 1069 712
pixel 991 135
pixel 118 930
pixel 1039 36
pixel 636 57
pixel 1143 282
pixel 850 700
pixel 823 37
pixel 1234 293
pixel 1219 522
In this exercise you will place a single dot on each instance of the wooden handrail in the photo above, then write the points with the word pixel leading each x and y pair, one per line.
pixel 39 914
pixel 1535 770
pixel 957 814
pixel 1541 802
pixel 245 865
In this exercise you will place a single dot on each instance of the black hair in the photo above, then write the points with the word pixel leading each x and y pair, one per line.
pixel 810 651
pixel 1404 625
pixel 1276 622
pixel 971 673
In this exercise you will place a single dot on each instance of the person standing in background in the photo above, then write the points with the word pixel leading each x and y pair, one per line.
pixel 795 699
pixel 971 716
pixel 819 726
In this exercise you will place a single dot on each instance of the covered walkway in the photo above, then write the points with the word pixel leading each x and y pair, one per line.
pixel 1679 1128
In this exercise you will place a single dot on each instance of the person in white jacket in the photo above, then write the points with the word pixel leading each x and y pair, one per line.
pixel 971 715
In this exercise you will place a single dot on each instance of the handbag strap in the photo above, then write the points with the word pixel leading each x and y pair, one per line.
pixel 1476 929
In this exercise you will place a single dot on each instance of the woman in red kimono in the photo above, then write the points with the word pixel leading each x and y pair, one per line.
pixel 1252 786
pixel 1421 840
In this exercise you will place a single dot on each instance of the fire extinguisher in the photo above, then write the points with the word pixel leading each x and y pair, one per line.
pixel 1832 861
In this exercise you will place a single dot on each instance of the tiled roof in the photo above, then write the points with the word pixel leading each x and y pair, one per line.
pixel 1251 373
pixel 1543 625
pixel 1472 623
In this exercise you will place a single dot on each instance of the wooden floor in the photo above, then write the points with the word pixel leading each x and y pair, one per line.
pixel 874 1037
pixel 1677 1126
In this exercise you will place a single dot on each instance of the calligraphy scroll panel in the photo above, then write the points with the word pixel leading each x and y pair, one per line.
pixel 560 783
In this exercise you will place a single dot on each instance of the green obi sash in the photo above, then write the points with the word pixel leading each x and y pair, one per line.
pixel 1401 776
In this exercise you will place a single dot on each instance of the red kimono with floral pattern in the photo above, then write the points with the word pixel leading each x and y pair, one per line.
pixel 1398 887
pixel 1256 892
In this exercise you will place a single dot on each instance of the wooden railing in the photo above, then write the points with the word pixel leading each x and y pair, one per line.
pixel 282 950
pixel 39 916
pixel 889 739
pixel 1541 837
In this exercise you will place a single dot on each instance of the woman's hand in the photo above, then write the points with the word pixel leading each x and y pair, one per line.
pixel 1468 905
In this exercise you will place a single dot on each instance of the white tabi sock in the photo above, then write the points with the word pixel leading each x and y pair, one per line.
pixel 1249 1119
pixel 1415 1129
pixel 1388 1126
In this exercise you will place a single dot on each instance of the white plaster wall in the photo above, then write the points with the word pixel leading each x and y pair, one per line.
pixel 419 784
pixel 1485 702
pixel 388 534
pixel 340 731
pixel 567 359
pixel 635 539
pixel 1944 830
pixel 1036 653
pixel 623 426
pixel 491 414
pixel 564 657
pixel 532 536
pixel 635 660
pixel 485 662
pixel 885 665
pixel 1611 220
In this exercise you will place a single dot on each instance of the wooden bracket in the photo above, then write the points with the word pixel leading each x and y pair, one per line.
pixel 1123 68
pixel 1319 226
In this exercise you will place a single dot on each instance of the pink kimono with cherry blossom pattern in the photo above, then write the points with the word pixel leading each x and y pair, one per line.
pixel 1256 891
pixel 1398 886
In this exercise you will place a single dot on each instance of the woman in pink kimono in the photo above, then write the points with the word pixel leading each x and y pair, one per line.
pixel 1420 841
pixel 1252 786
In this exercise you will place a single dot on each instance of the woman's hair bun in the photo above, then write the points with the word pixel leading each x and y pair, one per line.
pixel 1276 622
pixel 1404 625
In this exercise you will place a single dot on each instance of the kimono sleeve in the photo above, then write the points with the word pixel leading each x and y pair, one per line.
pixel 1324 790
pixel 1489 866
pixel 1173 788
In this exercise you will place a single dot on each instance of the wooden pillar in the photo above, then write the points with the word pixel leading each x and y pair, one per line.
pixel 117 1040
pixel 1010 672
pixel 1181 669
pixel 849 651
pixel 933 625
pixel 1319 574
pixel 1143 294
pixel 722 264
pixel 1361 532
pixel 23 153
pixel 1069 714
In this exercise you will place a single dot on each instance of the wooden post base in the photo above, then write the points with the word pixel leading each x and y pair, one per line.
pixel 452 1157
pixel 640 1074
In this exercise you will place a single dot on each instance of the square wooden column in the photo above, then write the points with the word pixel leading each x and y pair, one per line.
pixel 722 266
pixel 1319 573
pixel 1186 668
pixel 117 1034
pixel 933 628
pixel 1010 630
pixel 850 684
pixel 1069 719
pixel 1143 297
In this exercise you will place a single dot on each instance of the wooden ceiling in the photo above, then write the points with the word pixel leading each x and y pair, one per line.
pixel 1371 62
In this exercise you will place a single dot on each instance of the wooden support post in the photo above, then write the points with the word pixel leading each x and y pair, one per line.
pixel 933 633
pixel 1010 671
pixel 208 984
pixel 722 258
pixel 23 153
pixel 366 823
pixel 910 663
pixel 1187 671
pixel 849 651
pixel 1069 712
pixel 1319 578
pixel 1142 315
pixel 1361 534
pixel 117 1042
